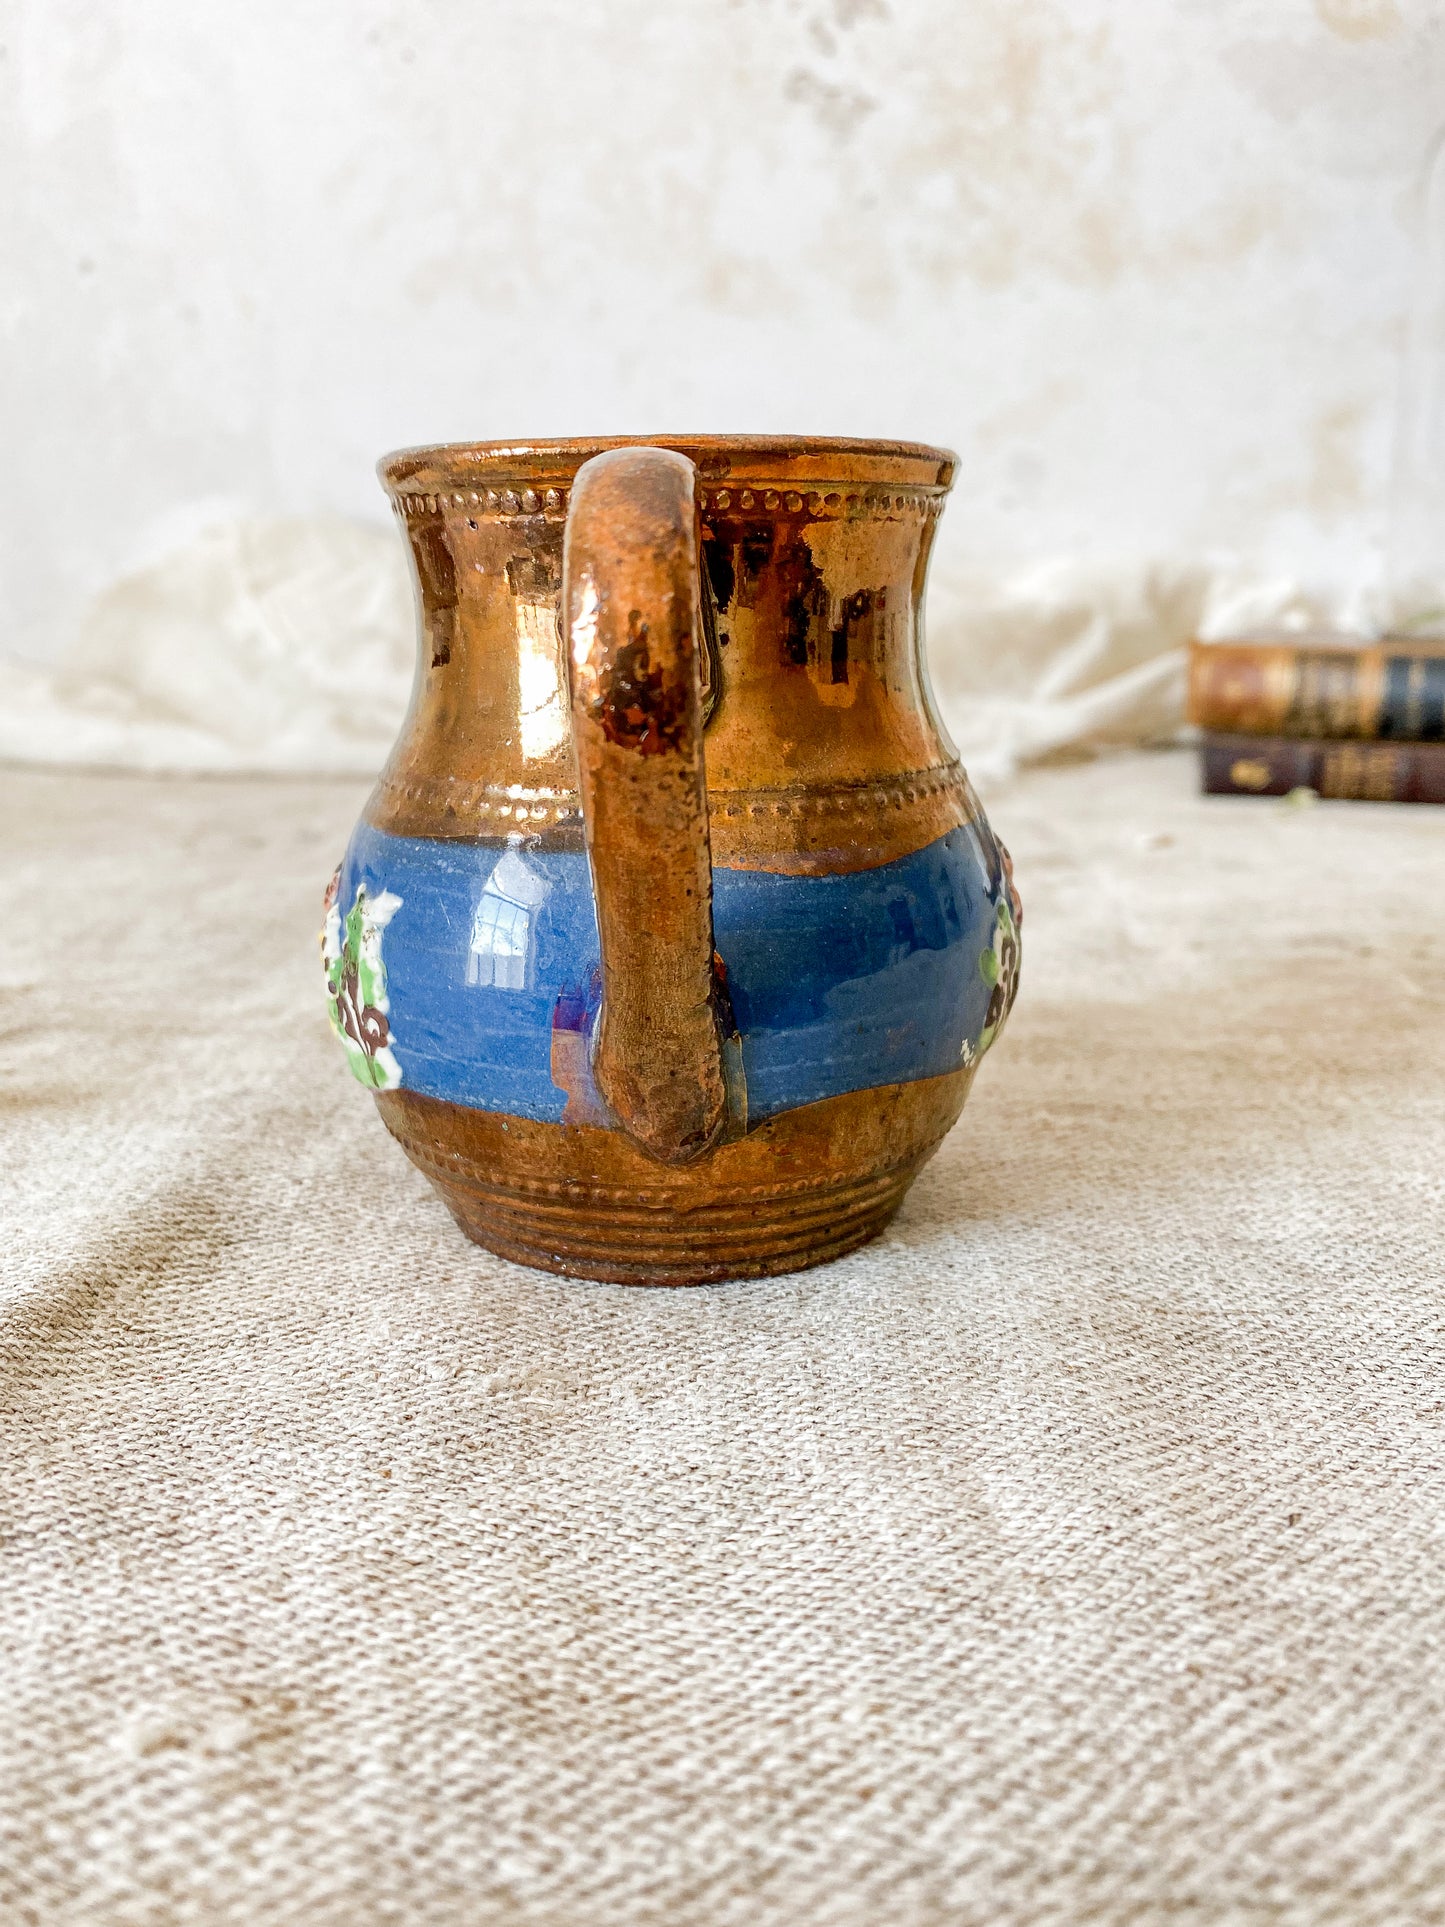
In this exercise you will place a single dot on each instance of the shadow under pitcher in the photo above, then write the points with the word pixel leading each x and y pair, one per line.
pixel 673 932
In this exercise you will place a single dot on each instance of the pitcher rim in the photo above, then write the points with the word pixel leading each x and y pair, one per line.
pixel 763 458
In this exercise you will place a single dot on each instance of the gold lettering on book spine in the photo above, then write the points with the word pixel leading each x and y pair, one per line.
pixel 1326 694
pixel 1367 771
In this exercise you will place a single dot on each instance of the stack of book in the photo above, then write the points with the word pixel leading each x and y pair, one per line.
pixel 1339 716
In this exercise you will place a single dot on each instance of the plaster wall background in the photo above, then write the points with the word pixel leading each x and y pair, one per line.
pixel 1146 266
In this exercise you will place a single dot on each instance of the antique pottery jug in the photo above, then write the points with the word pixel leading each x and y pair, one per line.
pixel 673 931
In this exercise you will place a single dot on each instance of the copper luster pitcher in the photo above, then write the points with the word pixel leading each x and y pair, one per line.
pixel 673 932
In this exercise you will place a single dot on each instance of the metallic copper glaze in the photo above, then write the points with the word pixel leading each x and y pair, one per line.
pixel 823 747
pixel 802 1188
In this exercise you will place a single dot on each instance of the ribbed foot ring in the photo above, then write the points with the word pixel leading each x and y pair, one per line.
pixel 589 1240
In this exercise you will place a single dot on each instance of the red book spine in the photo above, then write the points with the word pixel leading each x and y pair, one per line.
pixel 1363 771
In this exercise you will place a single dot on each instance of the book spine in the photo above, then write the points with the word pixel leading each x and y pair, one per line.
pixel 1287 689
pixel 1366 772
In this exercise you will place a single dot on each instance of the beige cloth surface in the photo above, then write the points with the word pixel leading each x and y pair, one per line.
pixel 1076 1553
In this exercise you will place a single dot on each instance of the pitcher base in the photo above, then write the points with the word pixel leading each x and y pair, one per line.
pixel 801 1189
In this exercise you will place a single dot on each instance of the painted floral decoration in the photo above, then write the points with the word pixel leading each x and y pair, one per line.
pixel 356 983
pixel 999 964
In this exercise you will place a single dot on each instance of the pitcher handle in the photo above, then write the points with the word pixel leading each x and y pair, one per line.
pixel 631 600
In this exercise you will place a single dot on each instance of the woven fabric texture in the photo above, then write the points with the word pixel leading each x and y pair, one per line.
pixel 1074 1554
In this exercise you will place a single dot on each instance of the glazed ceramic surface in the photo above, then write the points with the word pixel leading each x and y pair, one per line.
pixel 673 931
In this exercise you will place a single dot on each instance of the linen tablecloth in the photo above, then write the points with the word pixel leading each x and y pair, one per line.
pixel 1076 1553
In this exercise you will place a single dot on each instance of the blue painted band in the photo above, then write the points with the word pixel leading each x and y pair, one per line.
pixel 837 983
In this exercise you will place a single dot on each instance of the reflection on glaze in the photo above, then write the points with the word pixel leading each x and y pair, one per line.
pixel 501 950
pixel 543 715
